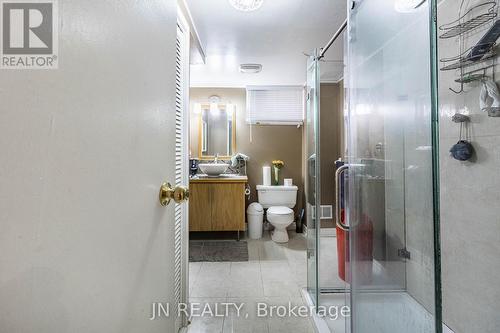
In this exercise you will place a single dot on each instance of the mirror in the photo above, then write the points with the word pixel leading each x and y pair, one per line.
pixel 216 131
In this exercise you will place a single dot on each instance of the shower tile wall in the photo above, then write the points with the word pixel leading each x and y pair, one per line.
pixel 470 201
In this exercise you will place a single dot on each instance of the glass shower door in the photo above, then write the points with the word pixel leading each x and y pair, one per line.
pixel 393 249
pixel 312 176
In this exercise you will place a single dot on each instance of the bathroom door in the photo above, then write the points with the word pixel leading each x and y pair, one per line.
pixel 392 168
pixel 85 245
pixel 312 183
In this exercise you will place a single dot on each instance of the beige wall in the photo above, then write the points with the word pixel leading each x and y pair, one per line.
pixel 331 107
pixel 268 142
pixel 342 120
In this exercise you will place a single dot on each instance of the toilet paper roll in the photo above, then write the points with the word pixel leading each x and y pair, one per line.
pixel 266 176
pixel 288 182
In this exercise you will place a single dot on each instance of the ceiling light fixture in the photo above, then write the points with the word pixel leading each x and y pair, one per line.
pixel 246 5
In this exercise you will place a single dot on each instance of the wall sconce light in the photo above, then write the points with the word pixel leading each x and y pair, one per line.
pixel 214 104
pixel 197 108
pixel 229 108
pixel 214 108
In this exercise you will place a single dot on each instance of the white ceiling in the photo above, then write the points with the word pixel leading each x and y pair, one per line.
pixel 275 36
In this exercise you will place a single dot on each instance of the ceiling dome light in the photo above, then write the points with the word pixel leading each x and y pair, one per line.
pixel 246 5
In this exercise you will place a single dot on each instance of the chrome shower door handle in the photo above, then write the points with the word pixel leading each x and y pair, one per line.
pixel 338 205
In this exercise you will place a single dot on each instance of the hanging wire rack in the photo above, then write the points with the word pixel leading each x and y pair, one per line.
pixel 474 75
pixel 469 20
pixel 464 60
pixel 481 14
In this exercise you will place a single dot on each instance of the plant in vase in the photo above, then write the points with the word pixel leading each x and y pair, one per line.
pixel 277 165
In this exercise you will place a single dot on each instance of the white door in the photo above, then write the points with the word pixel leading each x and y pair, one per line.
pixel 85 245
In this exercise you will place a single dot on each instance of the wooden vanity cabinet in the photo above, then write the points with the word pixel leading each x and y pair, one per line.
pixel 200 216
pixel 217 204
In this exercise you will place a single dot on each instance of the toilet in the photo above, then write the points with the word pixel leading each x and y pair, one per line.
pixel 279 201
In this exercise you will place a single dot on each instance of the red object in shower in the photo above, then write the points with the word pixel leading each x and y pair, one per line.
pixel 342 248
pixel 364 250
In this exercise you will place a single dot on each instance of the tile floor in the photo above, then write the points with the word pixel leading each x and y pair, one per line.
pixel 274 275
pixel 329 267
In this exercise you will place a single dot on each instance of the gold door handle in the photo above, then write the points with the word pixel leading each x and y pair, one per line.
pixel 178 194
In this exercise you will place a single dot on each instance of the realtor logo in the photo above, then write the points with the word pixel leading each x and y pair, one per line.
pixel 29 34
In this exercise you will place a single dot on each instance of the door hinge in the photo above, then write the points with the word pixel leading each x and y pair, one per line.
pixel 404 253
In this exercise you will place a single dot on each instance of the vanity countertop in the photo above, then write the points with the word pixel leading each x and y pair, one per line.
pixel 219 179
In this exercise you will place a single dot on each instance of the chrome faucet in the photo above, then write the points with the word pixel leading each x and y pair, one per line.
pixel 216 159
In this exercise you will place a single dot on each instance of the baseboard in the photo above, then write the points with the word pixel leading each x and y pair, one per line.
pixel 328 232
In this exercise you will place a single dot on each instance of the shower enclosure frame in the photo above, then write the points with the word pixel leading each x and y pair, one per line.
pixel 434 137
pixel 433 37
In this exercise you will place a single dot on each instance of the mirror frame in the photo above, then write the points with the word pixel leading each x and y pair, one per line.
pixel 222 107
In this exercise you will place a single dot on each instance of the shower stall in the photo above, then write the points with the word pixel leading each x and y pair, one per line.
pixel 384 261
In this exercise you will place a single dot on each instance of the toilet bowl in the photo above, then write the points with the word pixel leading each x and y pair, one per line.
pixel 279 201
pixel 280 217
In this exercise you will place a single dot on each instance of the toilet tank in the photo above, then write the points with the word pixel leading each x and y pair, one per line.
pixel 270 196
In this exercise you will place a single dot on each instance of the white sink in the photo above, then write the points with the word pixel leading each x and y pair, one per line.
pixel 213 169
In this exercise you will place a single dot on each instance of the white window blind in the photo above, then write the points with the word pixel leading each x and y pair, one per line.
pixel 279 105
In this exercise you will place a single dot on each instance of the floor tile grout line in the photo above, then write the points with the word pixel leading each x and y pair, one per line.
pixel 262 279
pixel 224 318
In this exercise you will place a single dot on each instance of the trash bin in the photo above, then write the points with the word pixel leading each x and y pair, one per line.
pixel 255 217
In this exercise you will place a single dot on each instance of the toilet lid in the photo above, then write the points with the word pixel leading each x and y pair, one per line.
pixel 279 210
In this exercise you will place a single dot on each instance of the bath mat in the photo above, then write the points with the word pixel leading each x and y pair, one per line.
pixel 215 251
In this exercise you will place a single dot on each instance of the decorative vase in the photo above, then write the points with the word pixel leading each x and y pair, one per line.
pixel 276 178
